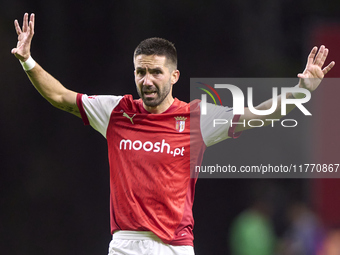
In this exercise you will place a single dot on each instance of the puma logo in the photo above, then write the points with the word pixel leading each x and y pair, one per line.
pixel 127 116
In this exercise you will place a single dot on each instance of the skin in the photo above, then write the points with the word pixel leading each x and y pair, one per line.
pixel 50 88
pixel 310 79
pixel 154 77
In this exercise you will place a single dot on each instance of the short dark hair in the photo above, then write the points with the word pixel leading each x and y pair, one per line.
pixel 157 46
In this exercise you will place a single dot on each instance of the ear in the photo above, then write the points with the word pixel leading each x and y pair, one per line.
pixel 174 76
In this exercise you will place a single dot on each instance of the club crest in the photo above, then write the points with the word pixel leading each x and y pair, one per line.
pixel 180 123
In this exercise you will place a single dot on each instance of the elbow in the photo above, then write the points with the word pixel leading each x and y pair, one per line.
pixel 57 102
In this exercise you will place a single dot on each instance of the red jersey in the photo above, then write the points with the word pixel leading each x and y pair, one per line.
pixel 150 156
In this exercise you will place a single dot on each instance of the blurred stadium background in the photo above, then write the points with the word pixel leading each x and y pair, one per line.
pixel 54 180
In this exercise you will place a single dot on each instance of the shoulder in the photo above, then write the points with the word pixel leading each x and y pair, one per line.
pixel 187 107
pixel 128 104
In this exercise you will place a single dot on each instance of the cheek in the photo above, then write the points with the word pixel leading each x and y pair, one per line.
pixel 137 82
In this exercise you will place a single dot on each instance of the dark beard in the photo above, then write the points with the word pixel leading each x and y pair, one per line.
pixel 159 98
pixel 157 101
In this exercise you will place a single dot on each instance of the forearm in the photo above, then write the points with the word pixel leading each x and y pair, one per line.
pixel 267 119
pixel 277 114
pixel 52 90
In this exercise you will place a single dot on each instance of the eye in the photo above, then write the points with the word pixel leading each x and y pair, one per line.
pixel 157 72
pixel 140 72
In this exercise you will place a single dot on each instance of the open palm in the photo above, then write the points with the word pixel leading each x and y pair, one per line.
pixel 25 35
pixel 313 74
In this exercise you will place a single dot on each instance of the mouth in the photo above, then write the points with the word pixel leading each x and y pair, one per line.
pixel 150 93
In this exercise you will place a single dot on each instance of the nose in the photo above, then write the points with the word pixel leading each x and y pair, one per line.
pixel 147 80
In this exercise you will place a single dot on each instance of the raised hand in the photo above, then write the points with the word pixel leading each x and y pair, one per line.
pixel 25 35
pixel 313 73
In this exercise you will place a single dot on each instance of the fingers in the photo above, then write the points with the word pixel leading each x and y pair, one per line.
pixel 26 26
pixel 315 61
pixel 324 56
pixel 25 23
pixel 25 35
pixel 321 56
pixel 311 55
pixel 17 27
pixel 301 75
pixel 31 24
pixel 328 68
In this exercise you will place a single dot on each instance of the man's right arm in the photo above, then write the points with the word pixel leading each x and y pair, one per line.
pixel 53 91
pixel 50 88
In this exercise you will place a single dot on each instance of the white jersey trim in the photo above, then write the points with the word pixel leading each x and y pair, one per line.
pixel 98 110
pixel 212 135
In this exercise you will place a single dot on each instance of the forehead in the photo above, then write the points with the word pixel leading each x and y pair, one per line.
pixel 150 61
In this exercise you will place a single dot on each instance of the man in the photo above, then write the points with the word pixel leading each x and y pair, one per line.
pixel 150 150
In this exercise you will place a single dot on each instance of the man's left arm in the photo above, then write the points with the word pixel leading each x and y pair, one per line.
pixel 310 79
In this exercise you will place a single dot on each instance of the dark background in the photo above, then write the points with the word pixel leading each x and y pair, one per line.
pixel 54 179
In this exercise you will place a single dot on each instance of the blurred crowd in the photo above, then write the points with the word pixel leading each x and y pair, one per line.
pixel 253 231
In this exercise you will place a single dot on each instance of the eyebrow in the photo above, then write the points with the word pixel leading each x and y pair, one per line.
pixel 150 69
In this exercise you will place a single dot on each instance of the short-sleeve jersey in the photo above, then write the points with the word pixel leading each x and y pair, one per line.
pixel 151 187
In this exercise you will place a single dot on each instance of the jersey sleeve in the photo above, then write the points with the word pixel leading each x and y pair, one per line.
pixel 96 110
pixel 222 129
